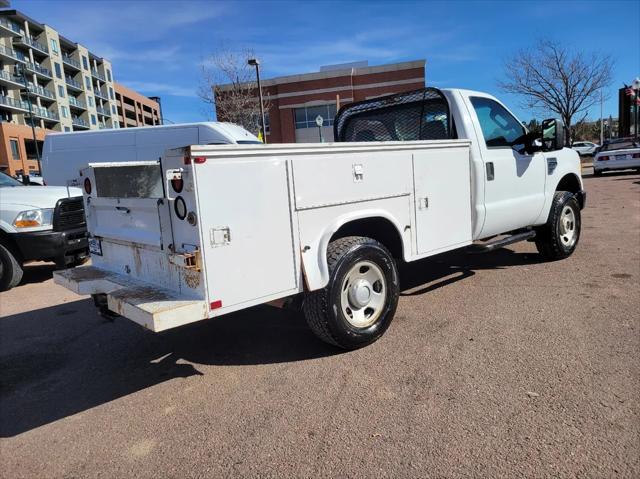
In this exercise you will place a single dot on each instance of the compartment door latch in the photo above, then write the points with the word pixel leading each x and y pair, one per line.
pixel 220 236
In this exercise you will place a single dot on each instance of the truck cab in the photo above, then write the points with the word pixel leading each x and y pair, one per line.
pixel 39 223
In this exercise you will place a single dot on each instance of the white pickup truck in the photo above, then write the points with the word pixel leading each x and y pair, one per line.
pixel 208 230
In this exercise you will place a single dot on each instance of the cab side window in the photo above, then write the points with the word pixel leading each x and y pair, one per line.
pixel 499 128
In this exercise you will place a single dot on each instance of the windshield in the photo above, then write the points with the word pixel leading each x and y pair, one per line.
pixel 621 145
pixel 6 180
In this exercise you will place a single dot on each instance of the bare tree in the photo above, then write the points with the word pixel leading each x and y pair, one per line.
pixel 553 78
pixel 228 86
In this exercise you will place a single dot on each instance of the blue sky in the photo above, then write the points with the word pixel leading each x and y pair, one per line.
pixel 156 46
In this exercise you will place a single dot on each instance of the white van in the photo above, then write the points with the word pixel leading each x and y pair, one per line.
pixel 65 154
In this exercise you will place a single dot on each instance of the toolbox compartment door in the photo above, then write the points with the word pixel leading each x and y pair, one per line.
pixel 246 227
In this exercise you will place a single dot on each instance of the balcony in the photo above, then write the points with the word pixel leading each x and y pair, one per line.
pixel 41 92
pixel 9 28
pixel 10 81
pixel 67 60
pixel 75 103
pixel 13 105
pixel 9 55
pixel 72 83
pixel 79 122
pixel 45 114
pixel 96 74
pixel 40 71
pixel 31 43
pixel 103 111
pixel 99 94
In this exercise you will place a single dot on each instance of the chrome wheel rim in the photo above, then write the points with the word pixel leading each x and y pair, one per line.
pixel 568 231
pixel 363 294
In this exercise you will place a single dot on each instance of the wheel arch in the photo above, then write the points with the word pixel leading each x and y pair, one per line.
pixel 375 224
pixel 571 183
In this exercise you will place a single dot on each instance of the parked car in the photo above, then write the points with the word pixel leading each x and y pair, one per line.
pixel 585 148
pixel 620 154
pixel 39 223
pixel 211 229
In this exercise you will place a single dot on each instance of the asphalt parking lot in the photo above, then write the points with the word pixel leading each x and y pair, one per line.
pixel 496 365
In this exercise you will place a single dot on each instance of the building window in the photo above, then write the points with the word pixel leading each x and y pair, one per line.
pixel 111 93
pixel 58 70
pixel 109 75
pixel 85 63
pixel 93 119
pixel 65 111
pixel 67 128
pixel 61 91
pixel 87 82
pixel 113 109
pixel 306 117
pixel 90 100
pixel 54 46
pixel 15 149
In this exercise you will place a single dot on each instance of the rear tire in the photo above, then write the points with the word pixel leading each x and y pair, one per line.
pixel 558 238
pixel 358 304
pixel 597 173
pixel 10 269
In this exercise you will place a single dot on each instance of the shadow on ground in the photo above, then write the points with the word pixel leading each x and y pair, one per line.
pixel 37 273
pixel 65 359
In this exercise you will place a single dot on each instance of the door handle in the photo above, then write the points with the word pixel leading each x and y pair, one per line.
pixel 123 209
pixel 490 171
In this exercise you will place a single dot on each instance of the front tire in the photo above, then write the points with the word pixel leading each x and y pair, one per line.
pixel 358 304
pixel 558 238
pixel 10 269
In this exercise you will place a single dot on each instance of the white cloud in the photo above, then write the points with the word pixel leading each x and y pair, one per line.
pixel 158 88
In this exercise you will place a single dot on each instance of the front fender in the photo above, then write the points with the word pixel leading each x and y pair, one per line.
pixel 567 165
pixel 314 247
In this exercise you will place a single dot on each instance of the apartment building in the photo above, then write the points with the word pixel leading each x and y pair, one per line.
pixel 135 109
pixel 51 83
pixel 295 101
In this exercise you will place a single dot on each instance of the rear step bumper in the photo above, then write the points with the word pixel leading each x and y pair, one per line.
pixel 154 308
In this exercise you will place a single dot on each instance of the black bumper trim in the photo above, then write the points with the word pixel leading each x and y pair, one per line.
pixel 63 247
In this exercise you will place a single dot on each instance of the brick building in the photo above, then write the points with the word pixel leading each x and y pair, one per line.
pixel 295 101
pixel 135 109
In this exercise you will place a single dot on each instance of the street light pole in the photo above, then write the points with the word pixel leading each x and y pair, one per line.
pixel 601 119
pixel 254 62
pixel 636 117
pixel 33 128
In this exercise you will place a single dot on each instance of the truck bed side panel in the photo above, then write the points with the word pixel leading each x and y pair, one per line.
pixel 246 225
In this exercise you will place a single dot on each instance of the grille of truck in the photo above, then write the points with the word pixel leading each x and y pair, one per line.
pixel 69 214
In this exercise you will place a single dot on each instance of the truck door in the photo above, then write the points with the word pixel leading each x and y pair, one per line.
pixel 514 179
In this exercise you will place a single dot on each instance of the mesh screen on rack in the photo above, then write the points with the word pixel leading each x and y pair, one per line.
pixel 416 115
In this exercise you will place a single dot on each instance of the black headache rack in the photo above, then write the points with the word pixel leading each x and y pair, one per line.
pixel 415 115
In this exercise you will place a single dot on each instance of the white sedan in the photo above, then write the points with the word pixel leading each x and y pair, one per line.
pixel 622 154
pixel 584 147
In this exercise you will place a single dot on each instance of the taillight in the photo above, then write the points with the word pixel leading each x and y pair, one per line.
pixel 635 155
pixel 87 186
pixel 177 185
pixel 603 158
pixel 199 159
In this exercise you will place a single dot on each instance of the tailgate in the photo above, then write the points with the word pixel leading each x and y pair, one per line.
pixel 129 218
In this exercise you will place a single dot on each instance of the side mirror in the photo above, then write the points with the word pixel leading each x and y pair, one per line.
pixel 552 135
